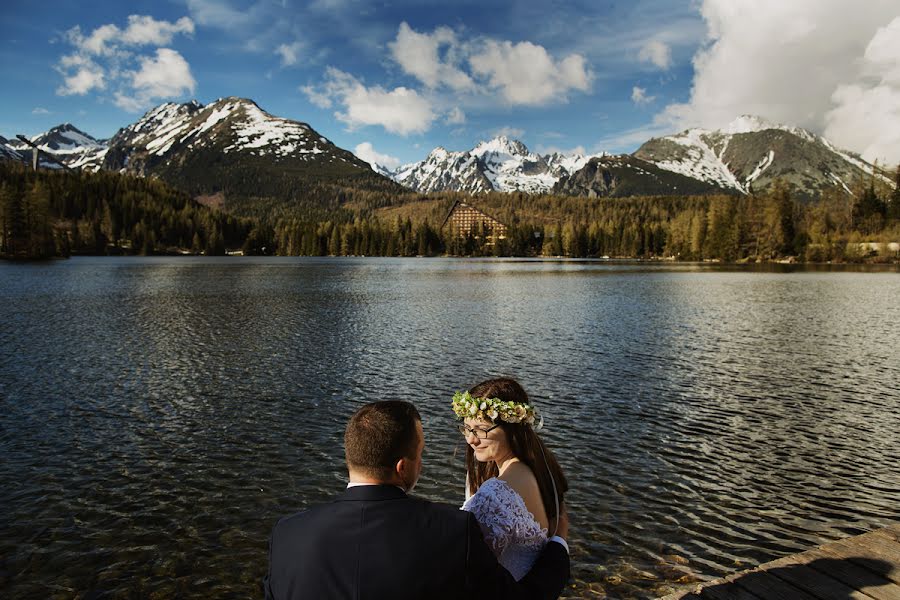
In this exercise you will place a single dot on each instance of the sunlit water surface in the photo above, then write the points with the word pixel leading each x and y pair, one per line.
pixel 158 415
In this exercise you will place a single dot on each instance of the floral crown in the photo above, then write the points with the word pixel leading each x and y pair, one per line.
pixel 467 406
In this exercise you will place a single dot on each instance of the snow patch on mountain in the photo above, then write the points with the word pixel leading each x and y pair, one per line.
pixel 755 124
pixel 700 160
pixel 499 164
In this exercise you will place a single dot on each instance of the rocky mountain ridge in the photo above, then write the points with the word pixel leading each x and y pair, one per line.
pixel 233 147
pixel 750 154
pixel 499 164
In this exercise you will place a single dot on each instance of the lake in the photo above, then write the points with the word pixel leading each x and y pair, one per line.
pixel 157 415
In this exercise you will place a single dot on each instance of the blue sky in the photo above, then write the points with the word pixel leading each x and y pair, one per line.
pixel 396 79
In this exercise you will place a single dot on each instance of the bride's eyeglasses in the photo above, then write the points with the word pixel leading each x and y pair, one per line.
pixel 478 432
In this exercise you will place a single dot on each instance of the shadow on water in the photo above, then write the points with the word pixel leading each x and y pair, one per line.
pixel 823 578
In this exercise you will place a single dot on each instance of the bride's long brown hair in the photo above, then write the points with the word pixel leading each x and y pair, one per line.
pixel 525 445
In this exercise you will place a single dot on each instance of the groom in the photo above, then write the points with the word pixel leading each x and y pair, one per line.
pixel 376 542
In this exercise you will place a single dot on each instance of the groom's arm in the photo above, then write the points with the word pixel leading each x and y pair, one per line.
pixel 488 579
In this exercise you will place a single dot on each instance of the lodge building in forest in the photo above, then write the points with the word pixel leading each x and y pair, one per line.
pixel 465 219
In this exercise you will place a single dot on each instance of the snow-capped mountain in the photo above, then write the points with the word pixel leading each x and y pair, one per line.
pixel 499 164
pixel 67 144
pixel 8 152
pixel 234 148
pixel 751 153
pixel 626 175
pixel 231 126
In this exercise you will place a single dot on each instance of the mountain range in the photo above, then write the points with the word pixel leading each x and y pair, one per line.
pixel 232 148
pixel 229 148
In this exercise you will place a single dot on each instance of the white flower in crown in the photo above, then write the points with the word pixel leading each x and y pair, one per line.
pixel 491 409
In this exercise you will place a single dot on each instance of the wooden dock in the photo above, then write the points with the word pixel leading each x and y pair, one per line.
pixel 865 567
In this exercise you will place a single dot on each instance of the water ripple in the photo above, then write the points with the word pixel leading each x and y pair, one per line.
pixel 158 415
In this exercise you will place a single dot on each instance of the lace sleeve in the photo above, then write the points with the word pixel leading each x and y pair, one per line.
pixel 503 517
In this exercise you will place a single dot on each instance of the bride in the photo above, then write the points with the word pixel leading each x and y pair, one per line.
pixel 514 485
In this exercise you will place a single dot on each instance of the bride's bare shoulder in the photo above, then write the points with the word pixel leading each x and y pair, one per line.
pixel 520 477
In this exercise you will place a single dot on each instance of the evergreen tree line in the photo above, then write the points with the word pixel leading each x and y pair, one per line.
pixel 52 213
pixel 48 213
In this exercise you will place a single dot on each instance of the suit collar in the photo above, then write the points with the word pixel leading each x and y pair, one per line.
pixel 372 492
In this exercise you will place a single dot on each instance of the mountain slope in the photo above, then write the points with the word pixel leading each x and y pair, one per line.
pixel 234 148
pixel 67 144
pixel 499 164
pixel 625 175
pixel 750 154
pixel 8 152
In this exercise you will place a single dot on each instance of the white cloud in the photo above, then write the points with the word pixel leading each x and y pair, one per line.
pixel 510 132
pixel 639 96
pixel 145 30
pixel 318 97
pixel 107 59
pixel 142 30
pixel 401 110
pixel 289 53
pixel 812 63
pixel 215 13
pixel 38 110
pixel 542 149
pixel 525 73
pixel 456 116
pixel 866 116
pixel 656 52
pixel 80 75
pixel 419 54
pixel 368 153
pixel 164 76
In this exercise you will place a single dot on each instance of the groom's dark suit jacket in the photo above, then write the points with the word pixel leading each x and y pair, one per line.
pixel 375 542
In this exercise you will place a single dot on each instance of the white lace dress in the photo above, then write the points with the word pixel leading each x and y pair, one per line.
pixel 509 528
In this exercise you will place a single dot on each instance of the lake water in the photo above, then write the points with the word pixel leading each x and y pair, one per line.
pixel 157 415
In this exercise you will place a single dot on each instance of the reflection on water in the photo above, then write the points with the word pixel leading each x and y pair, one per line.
pixel 158 415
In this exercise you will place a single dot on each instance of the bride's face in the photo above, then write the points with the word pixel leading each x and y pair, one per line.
pixel 494 447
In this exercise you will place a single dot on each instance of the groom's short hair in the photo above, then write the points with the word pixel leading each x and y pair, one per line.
pixel 380 434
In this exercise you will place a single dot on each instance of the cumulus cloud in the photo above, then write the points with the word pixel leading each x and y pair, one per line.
pixel 639 96
pixel 109 58
pixel 400 110
pixel 525 73
pixel 142 30
pixel 806 62
pixel 368 153
pixel 432 58
pixel 866 115
pixel 38 110
pixel 657 53
pixel 289 53
pixel 543 149
pixel 80 75
pixel 456 116
pixel 166 75
pixel 521 73
pixel 215 13
pixel 507 131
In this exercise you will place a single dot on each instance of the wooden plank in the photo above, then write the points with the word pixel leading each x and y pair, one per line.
pixel 872 584
pixel 862 568
pixel 727 591
pixel 767 586
pixel 889 533
pixel 682 595
pixel 872 553
pixel 817 583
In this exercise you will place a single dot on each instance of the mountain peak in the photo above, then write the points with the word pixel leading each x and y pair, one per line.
pixel 501 145
pixel 750 124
